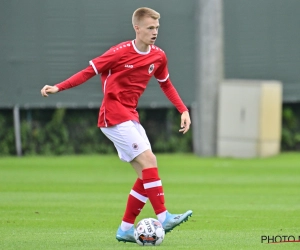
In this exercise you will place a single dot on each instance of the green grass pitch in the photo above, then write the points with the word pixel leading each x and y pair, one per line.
pixel 77 202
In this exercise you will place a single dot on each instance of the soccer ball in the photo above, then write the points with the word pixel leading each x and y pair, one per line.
pixel 149 232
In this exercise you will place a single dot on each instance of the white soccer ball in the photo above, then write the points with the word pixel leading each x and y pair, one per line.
pixel 149 232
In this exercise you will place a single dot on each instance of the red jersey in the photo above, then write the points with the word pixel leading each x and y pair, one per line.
pixel 125 73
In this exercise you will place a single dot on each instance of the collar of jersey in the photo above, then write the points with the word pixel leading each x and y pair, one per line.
pixel 140 52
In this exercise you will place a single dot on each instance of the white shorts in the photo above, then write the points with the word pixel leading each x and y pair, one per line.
pixel 129 138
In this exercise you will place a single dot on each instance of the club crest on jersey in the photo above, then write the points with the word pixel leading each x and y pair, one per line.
pixel 151 68
pixel 135 146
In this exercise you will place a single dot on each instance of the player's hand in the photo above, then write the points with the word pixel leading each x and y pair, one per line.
pixel 185 122
pixel 47 89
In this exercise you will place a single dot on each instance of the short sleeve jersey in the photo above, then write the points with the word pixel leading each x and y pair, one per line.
pixel 125 72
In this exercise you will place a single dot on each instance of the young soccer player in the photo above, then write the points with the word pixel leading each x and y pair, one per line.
pixel 125 72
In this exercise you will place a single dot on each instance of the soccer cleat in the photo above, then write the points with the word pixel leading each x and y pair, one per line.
pixel 173 220
pixel 126 236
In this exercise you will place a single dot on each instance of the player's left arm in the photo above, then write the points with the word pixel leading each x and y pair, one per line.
pixel 185 122
pixel 172 94
pixel 162 76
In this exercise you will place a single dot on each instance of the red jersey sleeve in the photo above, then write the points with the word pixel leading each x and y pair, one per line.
pixel 172 94
pixel 162 73
pixel 77 79
pixel 106 61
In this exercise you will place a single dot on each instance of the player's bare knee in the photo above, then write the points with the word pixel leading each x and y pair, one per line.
pixel 150 158
pixel 146 159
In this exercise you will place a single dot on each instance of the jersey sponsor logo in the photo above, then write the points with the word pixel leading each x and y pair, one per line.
pixel 129 66
pixel 151 68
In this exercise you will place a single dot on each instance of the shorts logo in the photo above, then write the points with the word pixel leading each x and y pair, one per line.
pixel 135 146
pixel 151 68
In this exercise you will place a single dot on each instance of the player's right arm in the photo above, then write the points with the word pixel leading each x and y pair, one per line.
pixel 97 66
pixel 75 80
pixel 47 89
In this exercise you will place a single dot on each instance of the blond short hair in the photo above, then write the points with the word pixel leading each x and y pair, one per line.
pixel 140 13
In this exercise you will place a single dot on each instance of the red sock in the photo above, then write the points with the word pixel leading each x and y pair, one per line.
pixel 154 189
pixel 136 201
